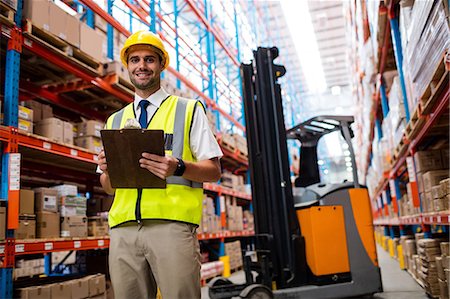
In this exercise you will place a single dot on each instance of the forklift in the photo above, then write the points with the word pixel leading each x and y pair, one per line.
pixel 313 240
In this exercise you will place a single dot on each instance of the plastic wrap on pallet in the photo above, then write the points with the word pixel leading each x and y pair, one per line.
pixel 211 269
pixel 419 16
pixel 424 55
pixel 405 20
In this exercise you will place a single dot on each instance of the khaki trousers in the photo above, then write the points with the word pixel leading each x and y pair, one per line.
pixel 155 254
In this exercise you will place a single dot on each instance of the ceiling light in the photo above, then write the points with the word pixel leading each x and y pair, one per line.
pixel 348 159
pixel 349 169
pixel 320 162
pixel 348 164
pixel 345 146
pixel 336 90
pixel 325 171
pixel 346 153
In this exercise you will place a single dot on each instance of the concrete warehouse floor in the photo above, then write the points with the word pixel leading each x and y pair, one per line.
pixel 397 284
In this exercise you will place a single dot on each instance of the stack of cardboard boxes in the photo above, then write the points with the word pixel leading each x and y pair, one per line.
pixel 234 251
pixel 49 17
pixel 97 226
pixel 27 217
pixel 234 215
pixel 28 268
pixel 88 135
pixel 428 250
pixel 46 204
pixel 432 167
pixel 210 221
pixel 443 265
pixel 25 123
pixel 56 130
pixel 93 286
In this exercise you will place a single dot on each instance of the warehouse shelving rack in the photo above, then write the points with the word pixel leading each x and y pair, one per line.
pixel 388 191
pixel 217 74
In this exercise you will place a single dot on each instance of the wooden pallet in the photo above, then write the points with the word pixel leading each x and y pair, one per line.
pixel 56 44
pixel 415 123
pixel 399 150
pixel 242 156
pixel 438 84
pixel 121 83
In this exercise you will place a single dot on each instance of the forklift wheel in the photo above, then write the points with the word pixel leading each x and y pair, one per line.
pixel 256 291
pixel 219 281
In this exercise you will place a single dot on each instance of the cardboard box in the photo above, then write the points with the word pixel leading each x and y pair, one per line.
pixel 39 12
pixel 25 126
pixel 428 160
pixel 80 288
pixel 90 128
pixel 46 199
pixel 57 22
pixel 2 222
pixel 93 144
pixel 61 290
pixel 432 178
pixel 51 128
pixel 97 227
pixel 47 225
pixel 27 227
pixel 74 226
pixel 91 42
pixel 47 111
pixel 36 107
pixel 97 285
pixel 67 132
pixel 73 31
pixel 37 292
pixel 26 202
pixel 25 113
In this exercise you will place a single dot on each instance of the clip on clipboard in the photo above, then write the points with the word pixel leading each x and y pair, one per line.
pixel 123 149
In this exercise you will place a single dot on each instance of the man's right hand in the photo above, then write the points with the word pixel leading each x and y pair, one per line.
pixel 102 161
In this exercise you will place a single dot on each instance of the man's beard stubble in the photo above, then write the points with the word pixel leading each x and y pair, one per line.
pixel 151 84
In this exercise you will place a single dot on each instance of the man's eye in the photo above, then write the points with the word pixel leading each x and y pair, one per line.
pixel 149 59
pixel 134 60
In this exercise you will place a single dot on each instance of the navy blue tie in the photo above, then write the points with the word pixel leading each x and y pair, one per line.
pixel 143 117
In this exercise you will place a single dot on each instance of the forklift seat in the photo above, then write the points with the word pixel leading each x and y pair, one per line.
pixel 304 198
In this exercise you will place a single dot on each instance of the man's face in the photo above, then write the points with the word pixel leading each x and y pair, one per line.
pixel 144 67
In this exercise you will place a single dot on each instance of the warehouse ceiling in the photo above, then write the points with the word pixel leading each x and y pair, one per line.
pixel 329 27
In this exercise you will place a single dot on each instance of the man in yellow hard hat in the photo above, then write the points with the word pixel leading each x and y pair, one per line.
pixel 153 241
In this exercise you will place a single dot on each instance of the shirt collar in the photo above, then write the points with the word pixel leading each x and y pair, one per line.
pixel 155 99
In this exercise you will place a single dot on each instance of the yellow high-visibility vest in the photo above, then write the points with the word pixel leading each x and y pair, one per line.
pixel 181 200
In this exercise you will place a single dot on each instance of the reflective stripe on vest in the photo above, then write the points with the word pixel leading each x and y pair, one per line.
pixel 182 199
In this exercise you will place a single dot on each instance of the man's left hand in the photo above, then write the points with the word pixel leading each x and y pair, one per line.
pixel 161 166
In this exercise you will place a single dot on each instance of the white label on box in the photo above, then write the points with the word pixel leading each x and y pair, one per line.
pixel 66 233
pixel 48 246
pixel 47 145
pixel 23 114
pixel 411 170
pixel 95 157
pixel 77 244
pixel 74 152
pixel 20 248
pixel 47 27
pixel 50 202
pixel 2 249
pixel 101 243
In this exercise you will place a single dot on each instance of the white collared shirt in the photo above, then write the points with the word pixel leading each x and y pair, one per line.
pixel 203 144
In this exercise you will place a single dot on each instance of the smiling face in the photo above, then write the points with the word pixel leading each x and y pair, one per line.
pixel 144 67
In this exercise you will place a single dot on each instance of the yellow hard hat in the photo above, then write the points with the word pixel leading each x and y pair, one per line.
pixel 144 37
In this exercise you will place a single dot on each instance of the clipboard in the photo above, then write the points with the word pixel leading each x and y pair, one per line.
pixel 123 149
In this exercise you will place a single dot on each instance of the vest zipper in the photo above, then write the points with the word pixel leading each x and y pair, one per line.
pixel 138 206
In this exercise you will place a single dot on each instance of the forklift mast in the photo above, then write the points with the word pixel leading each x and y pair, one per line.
pixel 276 225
